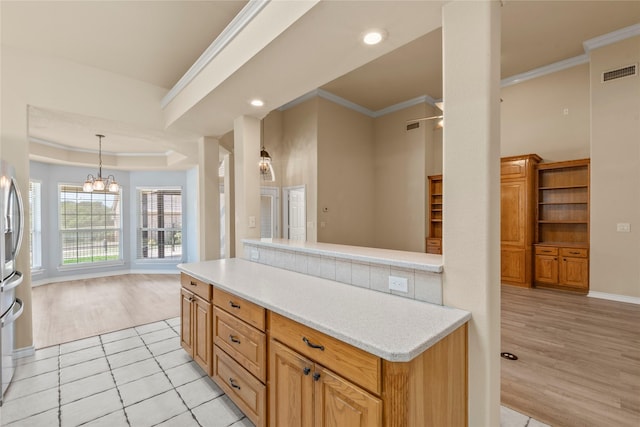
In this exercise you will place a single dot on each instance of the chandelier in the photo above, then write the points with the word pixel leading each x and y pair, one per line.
pixel 266 170
pixel 98 183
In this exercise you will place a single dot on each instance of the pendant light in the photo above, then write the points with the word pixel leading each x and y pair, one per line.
pixel 98 183
pixel 266 169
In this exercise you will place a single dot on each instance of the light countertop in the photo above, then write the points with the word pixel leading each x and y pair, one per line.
pixel 402 259
pixel 394 328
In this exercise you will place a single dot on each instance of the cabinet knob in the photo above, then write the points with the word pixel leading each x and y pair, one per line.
pixel 555 259
pixel 316 376
pixel 233 384
pixel 306 370
pixel 234 339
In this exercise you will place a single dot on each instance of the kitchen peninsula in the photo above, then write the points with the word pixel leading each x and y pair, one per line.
pixel 322 349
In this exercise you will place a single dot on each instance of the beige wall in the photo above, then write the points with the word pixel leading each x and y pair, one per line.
pixel 346 187
pixel 400 180
pixel 533 119
pixel 300 148
pixel 615 172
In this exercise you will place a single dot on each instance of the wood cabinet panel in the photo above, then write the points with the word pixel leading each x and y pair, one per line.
pixel 202 346
pixel 241 387
pixel 513 265
pixel 547 269
pixel 245 344
pixel 512 213
pixel 198 287
pixel 247 311
pixel 350 362
pixel 510 169
pixel 186 314
pixel 574 272
pixel 340 403
pixel 290 387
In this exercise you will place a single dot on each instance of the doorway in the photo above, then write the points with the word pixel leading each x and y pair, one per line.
pixel 269 218
pixel 294 213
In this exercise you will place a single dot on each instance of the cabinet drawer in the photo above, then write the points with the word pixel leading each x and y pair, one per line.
pixel 247 392
pixel 249 312
pixel 352 363
pixel 244 343
pixel 196 286
pixel 546 250
pixel 574 252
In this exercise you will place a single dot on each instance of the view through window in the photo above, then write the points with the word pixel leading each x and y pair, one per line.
pixel 90 225
pixel 35 225
pixel 160 223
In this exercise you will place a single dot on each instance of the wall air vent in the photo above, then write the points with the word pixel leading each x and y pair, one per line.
pixel 629 70
pixel 415 125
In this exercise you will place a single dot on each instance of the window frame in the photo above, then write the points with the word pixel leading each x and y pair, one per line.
pixel 61 231
pixel 35 225
pixel 139 229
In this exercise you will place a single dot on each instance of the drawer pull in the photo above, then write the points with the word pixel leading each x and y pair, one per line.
pixel 192 283
pixel 233 304
pixel 316 376
pixel 233 384
pixel 312 345
pixel 574 253
pixel 547 252
pixel 234 339
pixel 191 299
pixel 306 371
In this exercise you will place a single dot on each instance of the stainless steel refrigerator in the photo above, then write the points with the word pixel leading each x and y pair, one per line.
pixel 11 230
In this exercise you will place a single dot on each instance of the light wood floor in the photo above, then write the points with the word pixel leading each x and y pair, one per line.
pixel 579 358
pixel 68 311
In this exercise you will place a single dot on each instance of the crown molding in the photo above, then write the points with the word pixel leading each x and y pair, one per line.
pixel 84 150
pixel 424 99
pixel 237 24
pixel 345 103
pixel 547 69
pixel 612 37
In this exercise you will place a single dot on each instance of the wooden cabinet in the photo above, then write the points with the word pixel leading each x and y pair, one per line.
pixel 240 353
pixel 434 240
pixel 196 316
pixel 316 380
pixel 307 394
pixel 562 225
pixel 517 213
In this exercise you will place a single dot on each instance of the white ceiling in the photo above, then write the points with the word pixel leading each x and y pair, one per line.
pixel 157 41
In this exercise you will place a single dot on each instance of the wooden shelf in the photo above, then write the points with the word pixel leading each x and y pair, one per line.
pixel 563 203
pixel 436 220
pixel 551 221
pixel 563 187
pixel 434 239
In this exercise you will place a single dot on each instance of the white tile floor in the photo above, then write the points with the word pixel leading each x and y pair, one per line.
pixel 135 377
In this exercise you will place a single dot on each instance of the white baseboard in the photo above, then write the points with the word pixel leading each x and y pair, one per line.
pixel 614 297
pixel 57 279
pixel 24 352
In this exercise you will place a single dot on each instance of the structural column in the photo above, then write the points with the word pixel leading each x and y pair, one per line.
pixel 246 150
pixel 209 197
pixel 471 171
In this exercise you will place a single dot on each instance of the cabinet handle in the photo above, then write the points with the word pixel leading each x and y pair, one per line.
pixel 316 376
pixel 233 384
pixel 564 259
pixel 191 299
pixel 234 339
pixel 306 371
pixel 574 253
pixel 233 304
pixel 312 345
pixel 192 283
pixel 546 252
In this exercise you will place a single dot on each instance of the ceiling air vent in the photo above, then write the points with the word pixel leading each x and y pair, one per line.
pixel 629 70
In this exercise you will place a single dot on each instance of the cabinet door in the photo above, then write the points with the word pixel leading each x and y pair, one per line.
pixel 513 266
pixel 574 272
pixel 339 403
pixel 547 269
pixel 186 336
pixel 290 388
pixel 513 202
pixel 202 346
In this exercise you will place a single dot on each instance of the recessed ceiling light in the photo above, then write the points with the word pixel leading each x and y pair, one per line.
pixel 373 37
pixel 257 102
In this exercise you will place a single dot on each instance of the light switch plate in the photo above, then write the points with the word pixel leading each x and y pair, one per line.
pixel 400 284
pixel 623 227
pixel 252 222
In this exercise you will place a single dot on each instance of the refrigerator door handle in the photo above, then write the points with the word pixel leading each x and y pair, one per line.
pixel 12 316
pixel 14 280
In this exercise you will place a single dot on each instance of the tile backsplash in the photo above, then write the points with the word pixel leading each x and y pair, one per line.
pixel 422 285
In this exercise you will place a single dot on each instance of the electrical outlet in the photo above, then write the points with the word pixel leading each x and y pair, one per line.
pixel 400 284
pixel 252 222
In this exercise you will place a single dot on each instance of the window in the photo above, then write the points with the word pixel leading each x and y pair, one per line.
pixel 90 225
pixel 160 223
pixel 35 225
